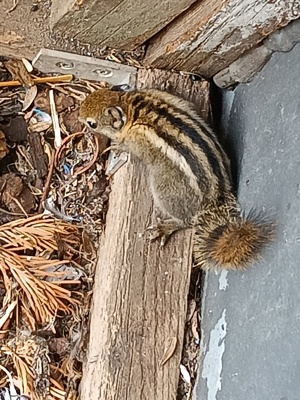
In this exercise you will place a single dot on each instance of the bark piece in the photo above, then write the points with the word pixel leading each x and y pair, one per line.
pixel 139 301
pixel 40 159
pixel 16 129
pixel 244 69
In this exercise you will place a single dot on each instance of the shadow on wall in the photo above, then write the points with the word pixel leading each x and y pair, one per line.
pixel 230 138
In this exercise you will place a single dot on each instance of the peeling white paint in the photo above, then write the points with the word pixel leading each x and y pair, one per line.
pixel 212 364
pixel 240 16
pixel 223 282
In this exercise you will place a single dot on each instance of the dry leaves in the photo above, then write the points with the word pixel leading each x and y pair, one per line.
pixel 3 147
pixel 15 195
pixel 19 72
pixel 190 353
pixel 15 130
pixel 29 97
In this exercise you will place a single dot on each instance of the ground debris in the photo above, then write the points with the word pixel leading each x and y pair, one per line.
pixel 52 208
pixel 3 147
pixel 190 352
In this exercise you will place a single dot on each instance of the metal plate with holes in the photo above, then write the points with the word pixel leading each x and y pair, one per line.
pixel 85 67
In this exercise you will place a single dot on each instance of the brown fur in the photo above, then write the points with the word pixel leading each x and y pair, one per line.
pixel 189 173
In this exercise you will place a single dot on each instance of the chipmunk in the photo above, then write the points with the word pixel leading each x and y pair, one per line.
pixel 189 173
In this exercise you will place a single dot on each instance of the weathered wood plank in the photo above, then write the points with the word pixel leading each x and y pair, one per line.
pixel 122 24
pixel 140 291
pixel 214 33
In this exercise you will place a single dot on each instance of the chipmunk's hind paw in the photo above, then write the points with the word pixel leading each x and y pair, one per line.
pixel 164 229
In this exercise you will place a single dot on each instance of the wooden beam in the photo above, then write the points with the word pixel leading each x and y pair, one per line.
pixel 121 24
pixel 214 33
pixel 140 291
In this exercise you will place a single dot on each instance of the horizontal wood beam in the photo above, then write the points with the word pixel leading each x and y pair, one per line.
pixel 121 24
pixel 214 33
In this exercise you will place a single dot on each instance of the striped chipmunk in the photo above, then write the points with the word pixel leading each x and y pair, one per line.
pixel 189 173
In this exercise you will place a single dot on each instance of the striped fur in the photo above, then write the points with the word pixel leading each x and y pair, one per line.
pixel 189 173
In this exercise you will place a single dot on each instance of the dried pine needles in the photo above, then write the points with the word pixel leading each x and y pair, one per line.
pixel 26 257
pixel 38 260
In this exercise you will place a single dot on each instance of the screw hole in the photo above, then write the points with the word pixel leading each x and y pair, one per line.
pixel 63 65
pixel 106 73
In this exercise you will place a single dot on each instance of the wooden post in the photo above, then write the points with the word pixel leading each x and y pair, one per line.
pixel 140 293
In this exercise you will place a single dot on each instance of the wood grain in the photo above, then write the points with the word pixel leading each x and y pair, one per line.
pixel 140 291
pixel 122 24
pixel 214 33
pixel 182 85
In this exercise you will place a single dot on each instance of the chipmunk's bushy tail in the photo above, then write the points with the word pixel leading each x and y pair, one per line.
pixel 233 243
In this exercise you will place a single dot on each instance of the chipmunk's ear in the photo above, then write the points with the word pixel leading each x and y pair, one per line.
pixel 117 116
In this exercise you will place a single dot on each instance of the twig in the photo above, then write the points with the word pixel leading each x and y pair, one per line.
pixel 47 183
pixel 50 207
pixel 55 122
pixel 7 373
pixel 46 79
pixel 7 313
pixel 11 213
pixel 18 204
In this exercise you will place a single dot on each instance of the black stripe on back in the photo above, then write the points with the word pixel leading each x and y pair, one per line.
pixel 197 139
pixel 208 133
pixel 137 99
pixel 188 155
pixel 140 104
pixel 147 106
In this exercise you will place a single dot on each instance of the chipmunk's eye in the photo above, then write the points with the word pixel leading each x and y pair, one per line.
pixel 91 123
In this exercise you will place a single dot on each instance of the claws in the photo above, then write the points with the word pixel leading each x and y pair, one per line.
pixel 159 231
pixel 164 229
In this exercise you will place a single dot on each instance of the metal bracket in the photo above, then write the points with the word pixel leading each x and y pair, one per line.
pixel 85 67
